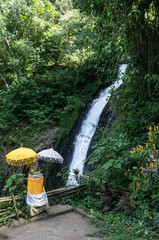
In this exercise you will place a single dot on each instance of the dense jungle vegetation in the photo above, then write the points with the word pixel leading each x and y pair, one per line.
pixel 54 56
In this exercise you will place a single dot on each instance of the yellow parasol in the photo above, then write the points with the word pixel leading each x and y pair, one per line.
pixel 20 157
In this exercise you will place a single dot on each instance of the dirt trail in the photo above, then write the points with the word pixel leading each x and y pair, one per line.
pixel 63 223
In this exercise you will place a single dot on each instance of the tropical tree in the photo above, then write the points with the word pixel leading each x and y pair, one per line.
pixel 24 27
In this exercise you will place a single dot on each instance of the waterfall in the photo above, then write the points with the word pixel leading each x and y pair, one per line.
pixel 88 128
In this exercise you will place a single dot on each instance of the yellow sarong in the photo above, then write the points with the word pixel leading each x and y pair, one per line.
pixel 35 186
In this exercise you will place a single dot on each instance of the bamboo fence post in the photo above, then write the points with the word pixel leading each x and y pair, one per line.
pixel 14 203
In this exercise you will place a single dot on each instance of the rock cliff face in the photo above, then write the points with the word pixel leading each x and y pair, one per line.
pixel 46 139
pixel 40 141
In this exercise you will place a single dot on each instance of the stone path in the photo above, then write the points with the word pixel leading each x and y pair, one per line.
pixel 61 223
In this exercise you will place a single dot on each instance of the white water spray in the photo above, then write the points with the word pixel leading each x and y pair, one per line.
pixel 88 127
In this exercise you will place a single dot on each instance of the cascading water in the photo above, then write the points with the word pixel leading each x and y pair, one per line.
pixel 88 128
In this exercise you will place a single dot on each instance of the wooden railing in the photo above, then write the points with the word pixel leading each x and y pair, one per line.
pixel 57 193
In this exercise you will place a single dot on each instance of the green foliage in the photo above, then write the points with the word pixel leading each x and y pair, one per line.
pixel 9 210
pixel 120 226
pixel 53 58
pixel 107 195
pixel 63 175
pixel 4 174
pixel 14 184
pixel 111 157
pixel 132 26
pixel 144 174
pixel 24 208
pixel 34 92
pixel 51 173
pixel 23 29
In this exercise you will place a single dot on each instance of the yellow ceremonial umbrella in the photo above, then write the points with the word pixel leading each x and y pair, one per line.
pixel 20 157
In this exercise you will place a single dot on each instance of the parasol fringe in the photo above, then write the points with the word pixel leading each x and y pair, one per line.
pixel 23 162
